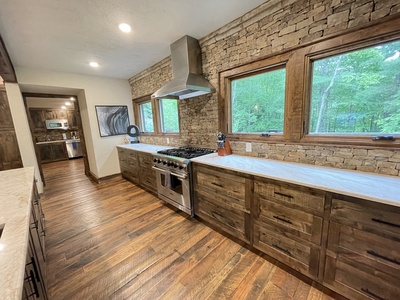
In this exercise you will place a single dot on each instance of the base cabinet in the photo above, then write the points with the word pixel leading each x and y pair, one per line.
pixel 363 250
pixel 35 285
pixel 349 245
pixel 223 199
pixel 137 168
pixel 50 152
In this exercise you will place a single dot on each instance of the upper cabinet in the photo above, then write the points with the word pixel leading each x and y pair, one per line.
pixel 38 117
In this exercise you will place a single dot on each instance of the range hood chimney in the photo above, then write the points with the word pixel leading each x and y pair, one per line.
pixel 187 79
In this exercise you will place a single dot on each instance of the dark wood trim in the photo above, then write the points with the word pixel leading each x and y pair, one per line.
pixel 155 106
pixel 298 61
pixel 7 71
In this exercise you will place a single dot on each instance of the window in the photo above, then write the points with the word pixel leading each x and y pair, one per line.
pixel 169 119
pixel 146 117
pixel 357 93
pixel 156 116
pixel 257 102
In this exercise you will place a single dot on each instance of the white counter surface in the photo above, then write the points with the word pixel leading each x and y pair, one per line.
pixel 144 147
pixel 377 188
pixel 15 207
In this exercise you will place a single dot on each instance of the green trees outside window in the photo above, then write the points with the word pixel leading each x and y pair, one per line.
pixel 169 116
pixel 257 102
pixel 146 114
pixel 357 92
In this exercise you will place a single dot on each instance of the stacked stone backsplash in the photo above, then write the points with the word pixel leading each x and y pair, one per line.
pixel 270 28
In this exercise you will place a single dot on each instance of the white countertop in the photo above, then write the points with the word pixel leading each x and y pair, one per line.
pixel 144 147
pixel 15 206
pixel 377 188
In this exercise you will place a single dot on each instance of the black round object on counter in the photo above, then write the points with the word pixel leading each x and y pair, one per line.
pixel 129 131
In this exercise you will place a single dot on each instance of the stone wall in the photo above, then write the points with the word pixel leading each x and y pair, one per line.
pixel 272 27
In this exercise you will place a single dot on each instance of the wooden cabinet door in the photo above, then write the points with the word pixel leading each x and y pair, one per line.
pixel 37 119
pixel 10 157
pixel 59 151
pixel 72 119
pixel 6 120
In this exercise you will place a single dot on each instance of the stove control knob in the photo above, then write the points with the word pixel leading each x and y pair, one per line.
pixel 170 163
pixel 159 161
pixel 155 160
pixel 182 167
pixel 164 162
pixel 175 165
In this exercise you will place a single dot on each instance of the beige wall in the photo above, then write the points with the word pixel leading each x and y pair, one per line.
pixel 22 131
pixel 102 153
pixel 271 28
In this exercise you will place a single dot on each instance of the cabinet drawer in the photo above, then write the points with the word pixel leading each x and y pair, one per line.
pixel 127 154
pixel 218 212
pixel 148 178
pixel 348 278
pixel 221 183
pixel 299 256
pixel 305 198
pixel 145 160
pixel 293 222
pixel 382 220
pixel 365 248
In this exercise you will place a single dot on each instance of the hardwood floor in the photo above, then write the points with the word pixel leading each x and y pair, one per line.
pixel 114 240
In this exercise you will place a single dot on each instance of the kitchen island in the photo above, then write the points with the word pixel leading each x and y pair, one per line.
pixel 17 202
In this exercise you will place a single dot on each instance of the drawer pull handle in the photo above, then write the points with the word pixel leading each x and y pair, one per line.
pixel 35 287
pixel 282 219
pixel 384 222
pixel 216 184
pixel 367 291
pixel 282 249
pixel 284 195
pixel 383 257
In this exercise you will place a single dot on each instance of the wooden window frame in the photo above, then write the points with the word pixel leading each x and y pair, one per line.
pixel 298 62
pixel 155 106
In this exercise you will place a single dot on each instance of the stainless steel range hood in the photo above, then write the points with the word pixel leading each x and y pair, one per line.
pixel 187 80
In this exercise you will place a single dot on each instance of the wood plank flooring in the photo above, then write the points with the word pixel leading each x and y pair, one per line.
pixel 114 240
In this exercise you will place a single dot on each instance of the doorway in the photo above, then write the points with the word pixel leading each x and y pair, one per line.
pixel 56 128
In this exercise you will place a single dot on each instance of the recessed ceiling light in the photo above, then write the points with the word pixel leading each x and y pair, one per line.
pixel 125 27
pixel 93 64
pixel 68 103
pixel 63 107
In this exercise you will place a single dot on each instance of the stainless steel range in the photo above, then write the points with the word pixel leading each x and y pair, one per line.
pixel 174 175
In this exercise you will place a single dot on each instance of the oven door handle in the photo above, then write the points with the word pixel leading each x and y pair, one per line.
pixel 174 174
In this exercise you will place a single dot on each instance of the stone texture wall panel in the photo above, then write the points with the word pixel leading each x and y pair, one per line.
pixel 270 28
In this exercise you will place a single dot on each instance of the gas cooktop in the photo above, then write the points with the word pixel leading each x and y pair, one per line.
pixel 186 152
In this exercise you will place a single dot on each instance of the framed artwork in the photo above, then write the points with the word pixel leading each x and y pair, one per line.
pixel 112 120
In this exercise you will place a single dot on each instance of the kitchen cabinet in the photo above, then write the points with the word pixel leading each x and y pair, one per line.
pixel 35 269
pixel 72 119
pixel 222 198
pixel 288 224
pixel 129 164
pixel 147 177
pixel 50 152
pixel 363 250
pixel 10 157
pixel 37 119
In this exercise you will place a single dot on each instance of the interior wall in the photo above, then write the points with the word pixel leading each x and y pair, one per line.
pixel 272 27
pixel 102 153
pixel 22 131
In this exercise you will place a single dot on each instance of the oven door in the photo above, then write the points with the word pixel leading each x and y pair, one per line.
pixel 174 189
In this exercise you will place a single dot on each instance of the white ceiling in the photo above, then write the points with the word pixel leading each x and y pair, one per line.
pixel 65 35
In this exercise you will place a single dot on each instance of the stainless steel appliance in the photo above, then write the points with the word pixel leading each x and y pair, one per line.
pixel 74 148
pixel 57 124
pixel 174 175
